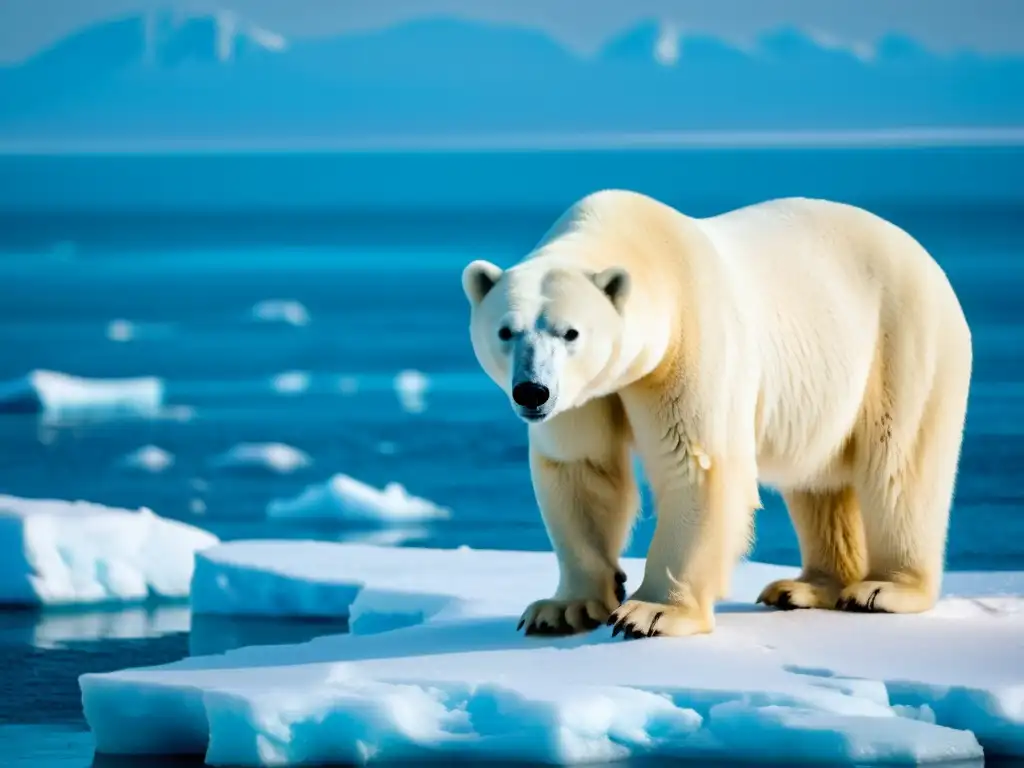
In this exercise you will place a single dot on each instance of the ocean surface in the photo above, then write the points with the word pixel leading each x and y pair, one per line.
pixel 172 296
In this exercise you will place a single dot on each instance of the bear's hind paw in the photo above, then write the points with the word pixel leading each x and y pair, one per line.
pixel 790 594
pixel 563 617
pixel 884 597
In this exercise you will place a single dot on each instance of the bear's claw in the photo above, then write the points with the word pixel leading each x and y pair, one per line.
pixel 633 632
pixel 620 586
pixel 852 603
pixel 635 619
pixel 563 617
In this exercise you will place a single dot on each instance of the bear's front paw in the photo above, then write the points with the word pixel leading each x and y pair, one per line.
pixel 636 618
pixel 563 617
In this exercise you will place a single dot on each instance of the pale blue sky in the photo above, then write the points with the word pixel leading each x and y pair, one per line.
pixel 991 26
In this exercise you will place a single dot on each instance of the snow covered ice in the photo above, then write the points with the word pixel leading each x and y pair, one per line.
pixel 345 498
pixel 433 668
pixel 68 553
pixel 60 396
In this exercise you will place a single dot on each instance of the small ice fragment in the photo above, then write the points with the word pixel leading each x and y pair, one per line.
pixel 148 458
pixel 410 387
pixel 281 311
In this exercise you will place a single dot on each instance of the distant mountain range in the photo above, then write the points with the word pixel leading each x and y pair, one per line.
pixel 171 76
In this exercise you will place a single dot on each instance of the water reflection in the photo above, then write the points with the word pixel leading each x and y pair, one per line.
pixel 64 629
pixel 52 629
pixel 42 654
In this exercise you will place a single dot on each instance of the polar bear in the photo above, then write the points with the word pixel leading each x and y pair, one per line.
pixel 802 344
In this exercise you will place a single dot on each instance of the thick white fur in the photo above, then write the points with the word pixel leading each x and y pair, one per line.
pixel 803 344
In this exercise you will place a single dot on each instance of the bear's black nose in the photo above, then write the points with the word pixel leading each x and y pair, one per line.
pixel 530 394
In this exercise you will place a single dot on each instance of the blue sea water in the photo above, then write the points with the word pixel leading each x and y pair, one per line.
pixel 383 294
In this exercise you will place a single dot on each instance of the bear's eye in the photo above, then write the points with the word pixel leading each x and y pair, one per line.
pixel 571 335
pixel 504 333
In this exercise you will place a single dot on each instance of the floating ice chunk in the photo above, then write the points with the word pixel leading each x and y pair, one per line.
pixel 273 457
pixel 454 679
pixel 60 396
pixel 291 382
pixel 180 413
pixel 345 498
pixel 314 579
pixel 120 330
pixel 60 552
pixel 281 311
pixel 148 458
pixel 411 386
pixel 377 588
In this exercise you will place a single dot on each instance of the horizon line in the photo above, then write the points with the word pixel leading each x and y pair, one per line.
pixel 867 138
pixel 584 36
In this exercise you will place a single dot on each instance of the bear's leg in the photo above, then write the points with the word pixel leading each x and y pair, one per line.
pixel 704 508
pixel 831 535
pixel 588 506
pixel 906 493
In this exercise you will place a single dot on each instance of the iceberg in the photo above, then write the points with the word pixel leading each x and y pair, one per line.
pixel 271 457
pixel 61 397
pixel 56 552
pixel 120 330
pixel 433 669
pixel 411 387
pixel 345 498
pixel 148 458
pixel 286 311
pixel 290 382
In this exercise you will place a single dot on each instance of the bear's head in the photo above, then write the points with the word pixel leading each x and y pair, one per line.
pixel 545 333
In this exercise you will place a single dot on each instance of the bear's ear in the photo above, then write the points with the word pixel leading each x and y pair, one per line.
pixel 478 278
pixel 614 282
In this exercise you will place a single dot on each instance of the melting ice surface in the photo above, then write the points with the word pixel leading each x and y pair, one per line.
pixel 68 553
pixel 434 668
pixel 345 498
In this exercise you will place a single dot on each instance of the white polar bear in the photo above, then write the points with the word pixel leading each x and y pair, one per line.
pixel 807 345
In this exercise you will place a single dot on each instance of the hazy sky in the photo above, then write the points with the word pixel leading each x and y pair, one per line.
pixel 993 26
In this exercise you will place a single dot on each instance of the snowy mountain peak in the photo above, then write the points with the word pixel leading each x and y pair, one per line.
pixel 172 36
pixel 864 51
pixel 666 47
